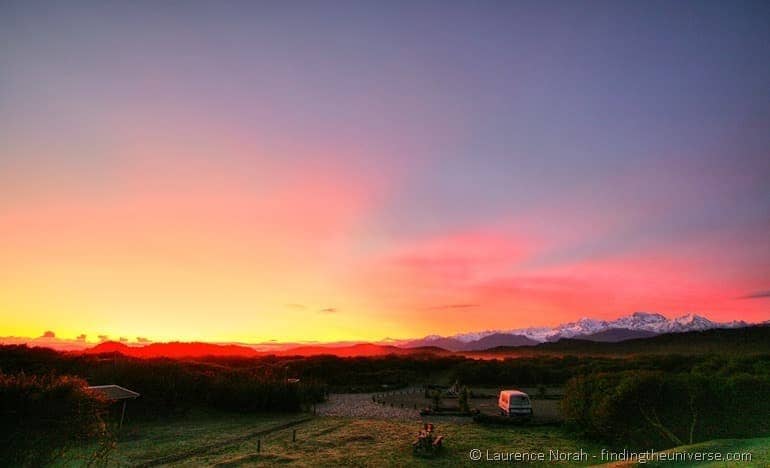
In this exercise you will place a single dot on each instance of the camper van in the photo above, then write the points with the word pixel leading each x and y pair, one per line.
pixel 514 403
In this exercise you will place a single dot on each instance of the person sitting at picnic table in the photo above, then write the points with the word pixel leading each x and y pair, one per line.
pixel 425 441
pixel 426 432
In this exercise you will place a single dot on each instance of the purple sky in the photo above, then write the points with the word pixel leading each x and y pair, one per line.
pixel 621 145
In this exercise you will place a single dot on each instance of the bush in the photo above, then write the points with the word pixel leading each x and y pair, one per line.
pixel 173 387
pixel 43 416
pixel 652 409
pixel 246 392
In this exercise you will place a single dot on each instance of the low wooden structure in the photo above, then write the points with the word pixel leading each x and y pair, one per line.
pixel 116 393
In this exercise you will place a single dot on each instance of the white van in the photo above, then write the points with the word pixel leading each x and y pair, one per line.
pixel 514 403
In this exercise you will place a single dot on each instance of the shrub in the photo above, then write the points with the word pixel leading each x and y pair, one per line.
pixel 652 409
pixel 246 392
pixel 173 387
pixel 43 416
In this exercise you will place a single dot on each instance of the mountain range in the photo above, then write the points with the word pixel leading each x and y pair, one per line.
pixel 639 325
pixel 197 349
pixel 636 325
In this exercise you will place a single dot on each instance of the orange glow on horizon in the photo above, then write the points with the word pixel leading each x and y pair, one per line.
pixel 356 172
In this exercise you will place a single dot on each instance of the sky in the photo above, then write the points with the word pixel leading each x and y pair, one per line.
pixel 324 171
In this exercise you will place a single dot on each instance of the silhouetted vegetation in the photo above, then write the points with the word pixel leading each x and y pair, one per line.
pixel 557 370
pixel 41 416
pixel 654 400
pixel 653 409
pixel 742 341
pixel 173 387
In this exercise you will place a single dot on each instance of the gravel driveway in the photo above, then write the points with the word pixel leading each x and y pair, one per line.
pixel 360 405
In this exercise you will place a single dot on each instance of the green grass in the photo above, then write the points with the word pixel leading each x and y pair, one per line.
pixel 376 443
pixel 331 441
pixel 142 442
pixel 758 448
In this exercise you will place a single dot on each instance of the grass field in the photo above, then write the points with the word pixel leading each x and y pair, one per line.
pixel 758 448
pixel 322 441
pixel 140 443
pixel 376 442
pixel 232 440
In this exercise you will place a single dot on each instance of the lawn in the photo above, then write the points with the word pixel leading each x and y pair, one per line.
pixel 140 443
pixel 759 449
pixel 333 441
pixel 232 440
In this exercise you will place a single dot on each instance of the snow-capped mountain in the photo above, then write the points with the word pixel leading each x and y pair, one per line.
pixel 649 323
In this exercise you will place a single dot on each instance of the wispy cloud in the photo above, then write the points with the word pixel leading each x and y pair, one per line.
pixel 141 339
pixel 328 310
pixel 296 306
pixel 757 295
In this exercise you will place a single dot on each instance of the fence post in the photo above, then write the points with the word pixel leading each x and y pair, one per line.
pixel 259 445
pixel 294 435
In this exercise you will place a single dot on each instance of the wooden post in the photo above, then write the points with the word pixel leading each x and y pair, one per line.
pixel 294 435
pixel 259 445
pixel 122 414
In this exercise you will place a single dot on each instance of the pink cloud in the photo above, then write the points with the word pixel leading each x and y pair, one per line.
pixel 497 273
pixel 450 260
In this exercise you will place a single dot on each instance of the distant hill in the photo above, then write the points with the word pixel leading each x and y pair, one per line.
pixel 187 350
pixel 500 339
pixel 451 344
pixel 173 350
pixel 614 335
pixel 751 340
pixel 488 341
pixel 745 340
pixel 361 349
pixel 584 327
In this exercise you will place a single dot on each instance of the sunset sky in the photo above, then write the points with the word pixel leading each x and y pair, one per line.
pixel 294 171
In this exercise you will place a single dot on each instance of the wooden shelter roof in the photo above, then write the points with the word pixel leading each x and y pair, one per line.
pixel 114 392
